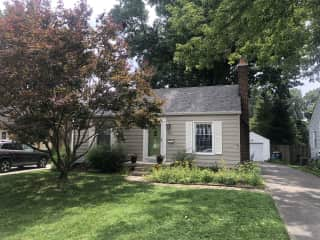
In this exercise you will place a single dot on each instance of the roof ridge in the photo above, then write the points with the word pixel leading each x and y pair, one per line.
pixel 208 86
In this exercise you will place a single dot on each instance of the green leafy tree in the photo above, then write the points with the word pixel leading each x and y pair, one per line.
pixel 155 46
pixel 282 130
pixel 298 111
pixel 262 117
pixel 59 77
pixel 278 115
pixel 269 33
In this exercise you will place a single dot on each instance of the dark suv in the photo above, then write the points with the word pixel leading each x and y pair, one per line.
pixel 18 155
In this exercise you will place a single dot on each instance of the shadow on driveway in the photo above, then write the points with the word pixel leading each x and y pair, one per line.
pixel 297 196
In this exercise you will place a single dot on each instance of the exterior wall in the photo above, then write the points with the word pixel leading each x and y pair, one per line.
pixel 6 133
pixel 314 130
pixel 134 142
pixel 85 146
pixel 257 139
pixel 176 139
pixel 2 129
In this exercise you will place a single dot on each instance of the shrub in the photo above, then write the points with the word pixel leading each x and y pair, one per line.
pixel 106 160
pixel 243 175
pixel 183 159
pixel 248 167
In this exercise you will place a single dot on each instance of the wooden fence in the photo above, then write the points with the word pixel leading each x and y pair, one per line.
pixel 294 154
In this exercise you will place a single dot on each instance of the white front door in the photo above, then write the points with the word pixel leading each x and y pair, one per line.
pixel 154 142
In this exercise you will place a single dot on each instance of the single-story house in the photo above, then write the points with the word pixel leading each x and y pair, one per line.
pixel 210 122
pixel 314 132
pixel 259 147
pixel 4 135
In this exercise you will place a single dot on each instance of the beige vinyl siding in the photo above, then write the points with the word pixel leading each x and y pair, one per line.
pixel 134 141
pixel 314 132
pixel 177 134
pixel 230 138
pixel 85 146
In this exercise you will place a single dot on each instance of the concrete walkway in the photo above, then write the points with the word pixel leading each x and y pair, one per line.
pixel 297 196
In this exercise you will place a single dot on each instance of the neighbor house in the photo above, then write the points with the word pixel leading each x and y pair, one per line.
pixel 210 122
pixel 4 135
pixel 314 132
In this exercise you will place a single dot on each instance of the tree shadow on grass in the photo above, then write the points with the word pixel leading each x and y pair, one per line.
pixel 27 199
pixel 134 210
pixel 201 214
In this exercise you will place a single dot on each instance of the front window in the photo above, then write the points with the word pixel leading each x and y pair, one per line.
pixel 104 137
pixel 203 137
pixel 4 135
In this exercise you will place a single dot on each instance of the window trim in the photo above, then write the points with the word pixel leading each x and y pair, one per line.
pixel 4 135
pixel 110 137
pixel 194 124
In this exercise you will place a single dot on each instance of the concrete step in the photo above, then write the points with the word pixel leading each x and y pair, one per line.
pixel 138 173
pixel 140 169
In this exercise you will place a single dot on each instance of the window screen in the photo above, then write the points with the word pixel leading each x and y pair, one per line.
pixel 104 138
pixel 203 137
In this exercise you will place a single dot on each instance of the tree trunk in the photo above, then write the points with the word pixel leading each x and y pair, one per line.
pixel 63 177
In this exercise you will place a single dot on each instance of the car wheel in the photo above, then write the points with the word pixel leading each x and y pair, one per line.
pixel 5 166
pixel 42 163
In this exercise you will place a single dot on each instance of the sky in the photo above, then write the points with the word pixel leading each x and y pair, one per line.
pixel 100 6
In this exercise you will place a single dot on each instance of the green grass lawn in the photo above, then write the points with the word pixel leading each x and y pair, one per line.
pixel 314 171
pixel 107 207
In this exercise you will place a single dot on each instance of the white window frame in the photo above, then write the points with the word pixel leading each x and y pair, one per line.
pixel 194 138
pixel 4 135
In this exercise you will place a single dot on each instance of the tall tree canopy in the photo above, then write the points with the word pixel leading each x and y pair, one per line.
pixel 197 42
pixel 59 76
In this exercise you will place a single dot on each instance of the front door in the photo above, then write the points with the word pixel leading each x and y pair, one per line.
pixel 154 142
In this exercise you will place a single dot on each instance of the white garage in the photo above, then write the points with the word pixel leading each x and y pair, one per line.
pixel 259 147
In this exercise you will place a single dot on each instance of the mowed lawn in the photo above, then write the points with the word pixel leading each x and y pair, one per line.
pixel 107 207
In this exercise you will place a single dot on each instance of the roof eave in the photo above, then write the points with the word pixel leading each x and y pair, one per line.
pixel 202 113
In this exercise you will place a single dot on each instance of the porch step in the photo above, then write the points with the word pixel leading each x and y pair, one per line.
pixel 140 169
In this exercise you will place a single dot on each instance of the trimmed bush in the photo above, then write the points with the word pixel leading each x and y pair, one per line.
pixel 242 175
pixel 183 159
pixel 105 160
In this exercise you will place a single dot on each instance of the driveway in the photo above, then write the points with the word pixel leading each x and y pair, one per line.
pixel 297 196
pixel 24 170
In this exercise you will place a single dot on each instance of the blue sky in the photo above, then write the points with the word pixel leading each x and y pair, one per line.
pixel 99 6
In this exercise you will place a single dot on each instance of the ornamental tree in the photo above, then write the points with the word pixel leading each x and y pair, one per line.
pixel 60 77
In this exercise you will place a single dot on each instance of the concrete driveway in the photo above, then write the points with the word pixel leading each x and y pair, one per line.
pixel 24 170
pixel 297 196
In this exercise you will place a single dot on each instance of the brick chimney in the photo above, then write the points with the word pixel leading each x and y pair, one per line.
pixel 243 71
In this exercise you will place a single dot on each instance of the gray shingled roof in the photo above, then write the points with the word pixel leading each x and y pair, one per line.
pixel 214 99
